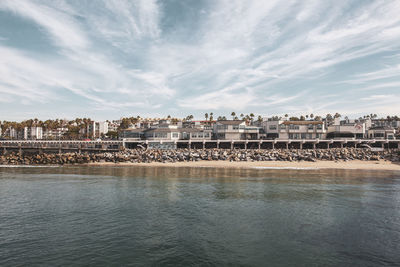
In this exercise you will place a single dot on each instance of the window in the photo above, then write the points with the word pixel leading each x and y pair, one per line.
pixel 319 126
pixel 175 135
pixel 160 135
pixel 235 127
pixel 221 136
pixel 200 135
pixel 282 126
pixel 206 135
pixel 303 136
pixel 272 127
pixel 309 136
pixel 310 127
pixel 221 127
pixel 194 135
pixel 293 127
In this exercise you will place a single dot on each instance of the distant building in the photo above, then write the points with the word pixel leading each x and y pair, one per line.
pixel 33 133
pixel 55 133
pixel 97 129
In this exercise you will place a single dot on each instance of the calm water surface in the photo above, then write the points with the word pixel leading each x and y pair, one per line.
pixel 136 216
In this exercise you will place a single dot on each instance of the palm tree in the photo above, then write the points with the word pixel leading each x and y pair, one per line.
pixel 312 116
pixel 206 116
pixel 211 116
pixel 251 116
pixel 286 115
pixel 259 119
pixel 233 114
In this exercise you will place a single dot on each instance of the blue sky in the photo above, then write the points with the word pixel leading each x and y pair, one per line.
pixel 107 59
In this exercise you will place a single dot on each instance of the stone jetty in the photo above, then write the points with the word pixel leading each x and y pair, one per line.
pixel 182 155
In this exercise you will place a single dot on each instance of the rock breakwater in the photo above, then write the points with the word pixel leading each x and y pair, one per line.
pixel 185 155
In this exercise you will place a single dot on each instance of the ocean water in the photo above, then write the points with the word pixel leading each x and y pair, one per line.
pixel 141 216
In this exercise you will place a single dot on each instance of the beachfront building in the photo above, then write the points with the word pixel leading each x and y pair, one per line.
pixel 235 130
pixel 381 132
pixel 347 129
pixel 132 134
pixel 196 134
pixel 393 123
pixel 285 129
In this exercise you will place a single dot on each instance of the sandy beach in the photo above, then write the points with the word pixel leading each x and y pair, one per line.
pixel 355 164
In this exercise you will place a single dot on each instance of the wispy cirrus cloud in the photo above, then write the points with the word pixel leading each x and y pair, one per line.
pixel 119 57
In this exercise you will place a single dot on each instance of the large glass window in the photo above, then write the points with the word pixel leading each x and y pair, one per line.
pixel 272 127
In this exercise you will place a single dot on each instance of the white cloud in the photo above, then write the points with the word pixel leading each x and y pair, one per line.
pixel 239 55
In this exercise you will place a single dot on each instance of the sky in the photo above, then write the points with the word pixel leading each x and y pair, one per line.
pixel 109 59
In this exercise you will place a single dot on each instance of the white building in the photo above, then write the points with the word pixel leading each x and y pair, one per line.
pixel 33 133
pixel 347 129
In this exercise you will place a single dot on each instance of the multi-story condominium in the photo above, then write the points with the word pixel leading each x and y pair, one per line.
pixel 235 130
pixel 347 129
pixel 285 129
pixel 31 133
pixel 381 132
pixel 97 129
pixel 55 133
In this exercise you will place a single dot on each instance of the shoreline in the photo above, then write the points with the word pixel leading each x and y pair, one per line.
pixel 298 165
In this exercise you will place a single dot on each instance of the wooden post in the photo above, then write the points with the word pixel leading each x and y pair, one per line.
pixel 19 149
pixel 59 148
pixel 287 145
pixel 259 145
pixel 314 146
pixel 273 145
pixel 328 145
pixel 245 145
pixel 301 145
pixel 232 145
pixel 204 145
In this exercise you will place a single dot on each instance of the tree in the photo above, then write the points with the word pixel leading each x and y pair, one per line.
pixel 233 114
pixel 302 118
pixel 211 116
pixel 206 116
pixel 328 117
pixel 251 116
pixel 259 119
pixel 286 115
pixel 312 116
pixel 337 115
